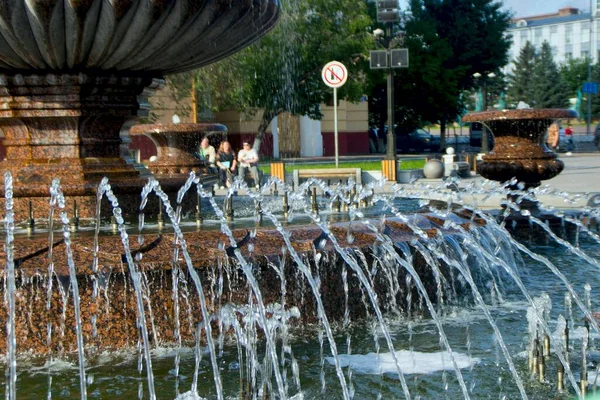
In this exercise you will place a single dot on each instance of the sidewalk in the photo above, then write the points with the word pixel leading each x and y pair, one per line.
pixel 580 178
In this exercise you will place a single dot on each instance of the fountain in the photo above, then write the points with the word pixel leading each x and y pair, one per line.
pixel 401 299
pixel 520 150
pixel 77 75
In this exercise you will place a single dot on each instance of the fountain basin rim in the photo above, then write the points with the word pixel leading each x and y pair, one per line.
pixel 523 114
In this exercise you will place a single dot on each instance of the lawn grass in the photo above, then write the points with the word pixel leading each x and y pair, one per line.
pixel 364 165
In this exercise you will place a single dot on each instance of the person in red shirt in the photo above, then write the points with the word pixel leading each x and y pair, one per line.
pixel 569 138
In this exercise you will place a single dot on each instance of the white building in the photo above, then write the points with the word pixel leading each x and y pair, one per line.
pixel 567 32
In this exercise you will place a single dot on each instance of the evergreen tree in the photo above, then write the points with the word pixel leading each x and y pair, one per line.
pixel 595 97
pixel 448 41
pixel 520 80
pixel 548 87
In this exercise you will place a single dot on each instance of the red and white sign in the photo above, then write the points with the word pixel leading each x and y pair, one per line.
pixel 334 74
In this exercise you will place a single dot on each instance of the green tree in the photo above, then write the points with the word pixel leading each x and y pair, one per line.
pixel 283 69
pixel 595 97
pixel 449 41
pixel 548 86
pixel 521 78
pixel 574 73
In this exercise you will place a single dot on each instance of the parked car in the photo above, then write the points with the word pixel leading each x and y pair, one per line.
pixel 597 136
pixel 475 134
pixel 418 140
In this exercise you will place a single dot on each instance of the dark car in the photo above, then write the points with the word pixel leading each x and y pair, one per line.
pixel 418 140
pixel 476 133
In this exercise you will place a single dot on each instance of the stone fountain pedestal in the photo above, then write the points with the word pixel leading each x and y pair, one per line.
pixel 72 127
pixel 76 75
pixel 520 150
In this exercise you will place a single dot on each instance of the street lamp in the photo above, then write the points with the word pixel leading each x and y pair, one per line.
pixel 485 146
pixel 388 12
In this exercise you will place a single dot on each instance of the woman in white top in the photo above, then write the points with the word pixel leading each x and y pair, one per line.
pixel 248 159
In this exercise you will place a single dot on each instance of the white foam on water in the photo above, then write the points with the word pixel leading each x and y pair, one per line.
pixel 56 365
pixel 193 396
pixel 410 362
pixel 189 396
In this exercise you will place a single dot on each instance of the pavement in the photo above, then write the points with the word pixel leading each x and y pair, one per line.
pixel 580 178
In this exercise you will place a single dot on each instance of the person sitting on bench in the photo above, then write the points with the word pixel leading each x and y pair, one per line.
pixel 248 159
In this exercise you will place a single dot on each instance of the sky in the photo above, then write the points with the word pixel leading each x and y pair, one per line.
pixel 526 8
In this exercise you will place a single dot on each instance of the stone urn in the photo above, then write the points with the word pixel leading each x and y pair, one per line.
pixel 176 145
pixel 520 150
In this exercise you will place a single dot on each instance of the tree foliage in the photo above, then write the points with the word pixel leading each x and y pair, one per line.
pixel 547 83
pixel 521 79
pixel 282 71
pixel 448 41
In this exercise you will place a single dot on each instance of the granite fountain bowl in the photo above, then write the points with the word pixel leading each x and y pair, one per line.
pixel 520 151
pixel 156 37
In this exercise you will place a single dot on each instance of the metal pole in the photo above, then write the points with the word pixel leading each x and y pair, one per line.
pixel 485 146
pixel 335 127
pixel 589 95
pixel 194 102
pixel 391 134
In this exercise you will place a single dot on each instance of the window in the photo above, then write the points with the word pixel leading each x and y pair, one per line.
pixel 585 32
pixel 524 35
pixel 568 56
pixel 553 30
pixel 584 54
pixel 538 32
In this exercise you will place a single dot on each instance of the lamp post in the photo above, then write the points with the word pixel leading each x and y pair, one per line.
pixel 589 96
pixel 388 12
pixel 485 145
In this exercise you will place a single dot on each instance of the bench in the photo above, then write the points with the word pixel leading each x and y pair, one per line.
pixel 327 174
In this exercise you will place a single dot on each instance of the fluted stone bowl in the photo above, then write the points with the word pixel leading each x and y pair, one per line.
pixel 158 37
pixel 519 146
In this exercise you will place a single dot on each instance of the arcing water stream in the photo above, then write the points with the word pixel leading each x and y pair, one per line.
pixel 454 291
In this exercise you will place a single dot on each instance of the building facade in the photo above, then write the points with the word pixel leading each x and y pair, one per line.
pixel 570 32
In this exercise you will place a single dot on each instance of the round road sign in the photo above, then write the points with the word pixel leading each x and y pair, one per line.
pixel 334 74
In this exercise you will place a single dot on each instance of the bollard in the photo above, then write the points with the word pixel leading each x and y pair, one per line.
pixel 313 201
pixel 258 209
pixel 587 329
pixel 160 218
pixel 560 383
pixel 534 364
pixel 354 197
pixel 113 224
pixel 229 208
pixel 31 222
pixel 546 347
pixel 75 220
pixel 541 368
pixel 336 204
pixel 275 191
pixel 198 209
pixel 567 339
pixel 286 207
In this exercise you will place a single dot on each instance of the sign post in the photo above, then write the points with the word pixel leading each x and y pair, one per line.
pixel 334 75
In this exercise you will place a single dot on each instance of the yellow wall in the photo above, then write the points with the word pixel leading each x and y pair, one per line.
pixel 351 117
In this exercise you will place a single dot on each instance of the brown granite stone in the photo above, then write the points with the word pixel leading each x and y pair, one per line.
pixel 519 147
pixel 176 145
pixel 114 308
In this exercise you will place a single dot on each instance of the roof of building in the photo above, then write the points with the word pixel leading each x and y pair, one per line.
pixel 550 21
